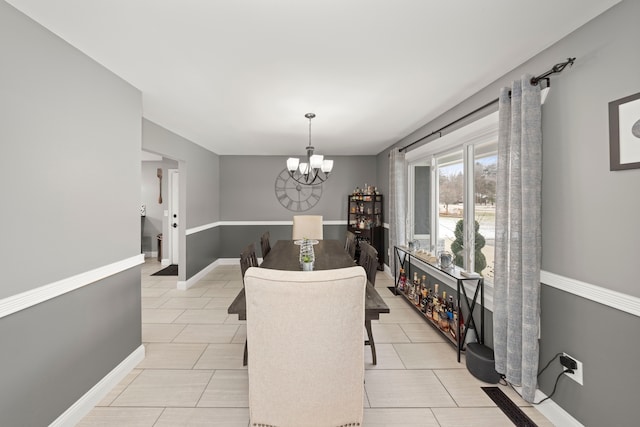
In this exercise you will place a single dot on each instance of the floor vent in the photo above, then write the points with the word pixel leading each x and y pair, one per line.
pixel 509 408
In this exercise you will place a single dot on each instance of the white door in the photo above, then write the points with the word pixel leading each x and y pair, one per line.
pixel 174 220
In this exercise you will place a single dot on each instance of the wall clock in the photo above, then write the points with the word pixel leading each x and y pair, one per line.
pixel 296 197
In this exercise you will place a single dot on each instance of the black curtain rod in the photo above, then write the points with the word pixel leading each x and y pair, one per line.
pixel 558 68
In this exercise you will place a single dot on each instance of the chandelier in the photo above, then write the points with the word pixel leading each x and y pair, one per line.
pixel 315 170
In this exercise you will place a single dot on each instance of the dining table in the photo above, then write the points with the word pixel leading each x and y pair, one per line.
pixel 329 254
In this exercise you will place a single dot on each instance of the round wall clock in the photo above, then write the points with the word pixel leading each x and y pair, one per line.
pixel 296 197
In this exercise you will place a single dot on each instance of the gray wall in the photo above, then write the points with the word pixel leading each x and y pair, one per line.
pixel 248 188
pixel 590 223
pixel 199 192
pixel 248 191
pixel 70 167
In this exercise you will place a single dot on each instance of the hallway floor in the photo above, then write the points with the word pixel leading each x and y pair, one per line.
pixel 193 375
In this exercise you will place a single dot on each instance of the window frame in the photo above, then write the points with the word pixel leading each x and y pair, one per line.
pixel 465 138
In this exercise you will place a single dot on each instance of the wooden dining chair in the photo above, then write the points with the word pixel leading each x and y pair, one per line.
pixel 307 226
pixel 265 244
pixel 369 261
pixel 350 244
pixel 247 259
pixel 301 372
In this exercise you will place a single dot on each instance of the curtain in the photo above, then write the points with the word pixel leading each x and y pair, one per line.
pixel 397 200
pixel 518 236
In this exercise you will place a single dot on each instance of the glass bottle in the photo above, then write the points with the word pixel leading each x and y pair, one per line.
pixel 429 307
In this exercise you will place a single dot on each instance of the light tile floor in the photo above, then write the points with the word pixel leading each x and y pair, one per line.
pixel 193 375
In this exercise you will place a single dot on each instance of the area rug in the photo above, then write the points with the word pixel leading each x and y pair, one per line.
pixel 171 270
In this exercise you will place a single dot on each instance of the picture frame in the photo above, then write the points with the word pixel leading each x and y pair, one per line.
pixel 624 133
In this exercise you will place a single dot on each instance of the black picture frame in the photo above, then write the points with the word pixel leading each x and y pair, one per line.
pixel 624 133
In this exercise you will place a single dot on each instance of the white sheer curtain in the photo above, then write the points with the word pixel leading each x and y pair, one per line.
pixel 397 199
pixel 518 236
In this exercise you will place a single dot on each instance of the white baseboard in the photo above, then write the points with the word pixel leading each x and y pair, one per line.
pixel 90 399
pixel 183 285
pixel 552 411
pixel 151 254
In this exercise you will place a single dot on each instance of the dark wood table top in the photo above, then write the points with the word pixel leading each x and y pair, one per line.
pixel 330 254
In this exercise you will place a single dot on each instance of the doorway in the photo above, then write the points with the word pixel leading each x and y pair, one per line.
pixel 174 217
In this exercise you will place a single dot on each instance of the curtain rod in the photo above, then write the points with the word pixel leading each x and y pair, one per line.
pixel 558 68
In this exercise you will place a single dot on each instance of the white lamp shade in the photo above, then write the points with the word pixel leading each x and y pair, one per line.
pixel 292 164
pixel 327 166
pixel 316 161
pixel 304 168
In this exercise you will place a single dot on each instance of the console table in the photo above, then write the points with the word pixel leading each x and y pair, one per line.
pixel 404 256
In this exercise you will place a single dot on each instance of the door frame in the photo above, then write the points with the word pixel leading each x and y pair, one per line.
pixel 173 199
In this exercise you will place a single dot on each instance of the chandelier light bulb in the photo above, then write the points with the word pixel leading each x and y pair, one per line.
pixel 327 166
pixel 316 161
pixel 292 164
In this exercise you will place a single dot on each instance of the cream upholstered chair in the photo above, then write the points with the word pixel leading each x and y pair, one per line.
pixel 306 361
pixel 309 226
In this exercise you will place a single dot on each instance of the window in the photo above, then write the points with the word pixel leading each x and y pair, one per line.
pixel 452 185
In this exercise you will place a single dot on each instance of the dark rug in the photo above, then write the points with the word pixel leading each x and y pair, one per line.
pixel 509 408
pixel 172 270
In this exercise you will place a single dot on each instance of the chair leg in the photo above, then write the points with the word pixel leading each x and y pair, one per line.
pixel 367 325
pixel 246 354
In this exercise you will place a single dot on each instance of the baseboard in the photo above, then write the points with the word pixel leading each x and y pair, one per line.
pixel 151 254
pixel 553 412
pixel 165 262
pixel 90 399
pixel 183 285
pixel 387 270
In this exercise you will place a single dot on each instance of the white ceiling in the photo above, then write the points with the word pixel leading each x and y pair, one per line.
pixel 237 76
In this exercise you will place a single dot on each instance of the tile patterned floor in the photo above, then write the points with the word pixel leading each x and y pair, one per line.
pixel 193 375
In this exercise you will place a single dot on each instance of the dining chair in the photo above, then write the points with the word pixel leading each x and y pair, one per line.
pixel 265 244
pixel 350 244
pixel 307 226
pixel 247 259
pixel 369 261
pixel 301 372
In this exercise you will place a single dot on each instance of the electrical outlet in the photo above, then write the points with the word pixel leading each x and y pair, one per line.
pixel 577 373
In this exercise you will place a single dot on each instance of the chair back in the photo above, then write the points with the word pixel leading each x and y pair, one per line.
pixel 301 371
pixel 309 226
pixel 369 261
pixel 265 245
pixel 350 244
pixel 248 259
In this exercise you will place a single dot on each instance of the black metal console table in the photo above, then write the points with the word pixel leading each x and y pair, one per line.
pixel 404 255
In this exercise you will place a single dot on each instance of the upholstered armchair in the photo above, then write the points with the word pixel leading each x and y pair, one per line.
pixel 306 361
pixel 309 226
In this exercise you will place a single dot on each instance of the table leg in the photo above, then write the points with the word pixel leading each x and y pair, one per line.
pixel 367 325
pixel 246 354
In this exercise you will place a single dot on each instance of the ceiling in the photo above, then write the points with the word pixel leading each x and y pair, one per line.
pixel 238 76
